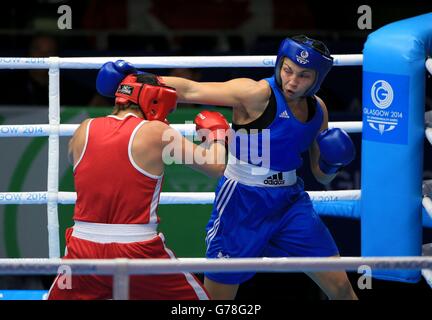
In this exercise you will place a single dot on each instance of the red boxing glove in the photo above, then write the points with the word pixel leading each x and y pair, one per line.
pixel 211 126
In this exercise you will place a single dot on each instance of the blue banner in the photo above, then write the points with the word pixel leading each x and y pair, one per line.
pixel 385 107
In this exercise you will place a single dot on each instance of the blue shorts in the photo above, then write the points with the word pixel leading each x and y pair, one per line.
pixel 249 221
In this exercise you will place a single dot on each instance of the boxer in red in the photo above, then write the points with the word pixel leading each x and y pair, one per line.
pixel 118 170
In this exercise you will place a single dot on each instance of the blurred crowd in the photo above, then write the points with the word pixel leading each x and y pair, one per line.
pixel 147 28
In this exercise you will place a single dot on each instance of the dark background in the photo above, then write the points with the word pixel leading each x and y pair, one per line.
pixel 212 27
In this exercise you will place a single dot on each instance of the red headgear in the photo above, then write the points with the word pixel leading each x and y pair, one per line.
pixel 155 100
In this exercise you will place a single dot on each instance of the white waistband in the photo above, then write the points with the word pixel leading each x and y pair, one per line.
pixel 108 233
pixel 249 174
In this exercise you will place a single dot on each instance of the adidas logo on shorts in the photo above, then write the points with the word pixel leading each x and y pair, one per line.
pixel 275 179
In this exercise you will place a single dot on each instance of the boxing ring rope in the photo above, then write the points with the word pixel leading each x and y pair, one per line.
pixel 122 268
pixel 429 65
pixel 53 130
pixel 163 62
pixel 165 197
pixel 427 204
pixel 65 130
pixel 428 133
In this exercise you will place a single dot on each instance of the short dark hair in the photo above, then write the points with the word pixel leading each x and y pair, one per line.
pixel 121 107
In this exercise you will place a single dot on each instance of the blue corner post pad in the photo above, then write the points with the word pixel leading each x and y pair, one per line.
pixel 392 141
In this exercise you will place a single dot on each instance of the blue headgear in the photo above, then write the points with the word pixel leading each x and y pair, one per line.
pixel 306 53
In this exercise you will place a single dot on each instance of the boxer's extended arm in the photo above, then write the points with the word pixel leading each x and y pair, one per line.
pixel 241 92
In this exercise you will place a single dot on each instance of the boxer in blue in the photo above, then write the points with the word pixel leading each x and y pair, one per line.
pixel 261 208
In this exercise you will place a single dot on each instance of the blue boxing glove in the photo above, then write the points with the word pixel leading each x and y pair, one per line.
pixel 111 75
pixel 336 150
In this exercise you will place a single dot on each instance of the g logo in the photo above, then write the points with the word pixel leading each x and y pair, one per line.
pixel 382 94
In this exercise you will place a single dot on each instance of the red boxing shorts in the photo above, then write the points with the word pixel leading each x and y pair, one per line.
pixel 182 286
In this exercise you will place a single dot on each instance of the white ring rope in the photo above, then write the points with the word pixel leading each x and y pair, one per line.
pixel 164 266
pixel 37 130
pixel 428 133
pixel 65 130
pixel 165 62
pixel 165 197
pixel 427 273
pixel 427 204
pixel 122 268
pixel 429 65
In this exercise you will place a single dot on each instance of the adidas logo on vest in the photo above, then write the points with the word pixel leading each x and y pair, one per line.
pixel 275 179
pixel 284 114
